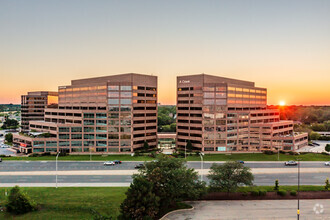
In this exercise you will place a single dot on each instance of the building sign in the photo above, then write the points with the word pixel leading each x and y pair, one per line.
pixel 184 81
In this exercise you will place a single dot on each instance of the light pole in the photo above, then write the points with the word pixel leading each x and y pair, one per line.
pixel 185 149
pixel 201 155
pixel 56 167
pixel 298 210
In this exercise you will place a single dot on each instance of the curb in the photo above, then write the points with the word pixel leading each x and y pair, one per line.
pixel 164 217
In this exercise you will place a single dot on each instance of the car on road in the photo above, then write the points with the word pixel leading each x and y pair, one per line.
pixel 291 163
pixel 109 163
pixel 117 161
pixel 327 163
pixel 141 165
pixel 240 161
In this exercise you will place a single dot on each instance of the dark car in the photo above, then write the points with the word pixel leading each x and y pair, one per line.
pixel 291 163
pixel 240 161
pixel 117 161
pixel 141 165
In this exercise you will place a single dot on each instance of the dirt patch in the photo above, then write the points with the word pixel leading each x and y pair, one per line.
pixel 268 196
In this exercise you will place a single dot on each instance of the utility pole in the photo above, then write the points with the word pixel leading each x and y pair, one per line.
pixel 56 167
pixel 298 210
pixel 201 155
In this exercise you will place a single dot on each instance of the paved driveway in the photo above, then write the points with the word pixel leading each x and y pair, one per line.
pixel 255 209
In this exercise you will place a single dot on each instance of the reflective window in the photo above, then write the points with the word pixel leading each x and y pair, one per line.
pixel 126 94
pixel 113 88
pixel 76 129
pixel 113 101
pixel 220 95
pixel 113 129
pixel 208 94
pixel 208 101
pixel 221 102
pixel 88 129
pixel 125 101
pixel 125 109
pixel 208 88
pixel 113 94
pixel 126 88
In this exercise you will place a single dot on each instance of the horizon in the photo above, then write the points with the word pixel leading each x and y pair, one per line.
pixel 280 45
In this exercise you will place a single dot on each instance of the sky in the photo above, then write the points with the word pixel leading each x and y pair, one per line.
pixel 281 45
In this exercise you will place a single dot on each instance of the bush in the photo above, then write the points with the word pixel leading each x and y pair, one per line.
pixel 153 155
pixel 63 154
pixel 244 193
pixel 19 202
pixel 281 192
pixel 276 187
pixel 327 184
pixel 34 155
pixel 293 193
pixel 255 193
pixel 46 154
pixel 262 192
pixel 268 152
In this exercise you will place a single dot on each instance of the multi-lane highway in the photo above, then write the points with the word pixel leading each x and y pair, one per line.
pixel 42 173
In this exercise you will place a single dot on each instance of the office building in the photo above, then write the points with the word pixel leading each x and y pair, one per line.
pixel 218 114
pixel 111 114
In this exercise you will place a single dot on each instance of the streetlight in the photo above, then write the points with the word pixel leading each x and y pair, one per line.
pixel 201 155
pixel 56 167
pixel 298 210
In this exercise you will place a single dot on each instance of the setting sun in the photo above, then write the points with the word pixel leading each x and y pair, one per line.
pixel 282 103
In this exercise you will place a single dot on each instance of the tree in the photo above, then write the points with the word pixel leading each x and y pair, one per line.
pixel 327 148
pixel 189 146
pixel 314 136
pixel 145 146
pixel 141 201
pixel 171 182
pixel 10 123
pixel 9 137
pixel 19 202
pixel 228 176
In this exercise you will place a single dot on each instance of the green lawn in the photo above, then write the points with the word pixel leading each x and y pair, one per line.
pixel 71 203
pixel 207 157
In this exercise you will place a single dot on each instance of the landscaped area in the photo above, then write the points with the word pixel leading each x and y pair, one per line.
pixel 83 201
pixel 207 157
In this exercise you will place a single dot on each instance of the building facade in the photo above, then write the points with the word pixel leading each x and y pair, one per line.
pixel 33 107
pixel 218 114
pixel 112 114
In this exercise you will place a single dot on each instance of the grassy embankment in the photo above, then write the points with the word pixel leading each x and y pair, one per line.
pixel 79 202
pixel 207 157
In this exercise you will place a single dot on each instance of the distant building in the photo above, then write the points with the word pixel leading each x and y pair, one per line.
pixel 33 107
pixel 218 114
pixel 111 114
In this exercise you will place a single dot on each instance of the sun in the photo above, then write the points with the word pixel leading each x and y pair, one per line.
pixel 282 103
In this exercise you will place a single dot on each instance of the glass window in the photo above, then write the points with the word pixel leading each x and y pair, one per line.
pixel 88 136
pixel 221 89
pixel 209 88
pixel 64 136
pixel 88 143
pixel 101 129
pixel 88 122
pixel 113 129
pixel 220 115
pixel 208 116
pixel 76 143
pixel 113 101
pixel 125 136
pixel 113 115
pixel 101 122
pixel 64 143
pixel 125 143
pixel 208 94
pixel 220 95
pixel 113 136
pixel 76 129
pixel 51 149
pixel 129 88
pixel 125 122
pixel 221 148
pixel 51 143
pixel 111 88
pixel 125 101
pixel 208 101
pixel 125 109
pixel 126 94
pixel 88 115
pixel 88 129
pixel 101 115
pixel 208 122
pixel 113 94
pixel 76 136
pixel 125 129
pixel 221 102
pixel 113 143
pixel 113 122
pixel 64 129
pixel 113 109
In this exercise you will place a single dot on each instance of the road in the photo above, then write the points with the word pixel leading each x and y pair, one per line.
pixel 86 165
pixel 255 209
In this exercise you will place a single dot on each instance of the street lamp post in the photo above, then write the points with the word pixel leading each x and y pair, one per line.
pixel 56 167
pixel 201 155
pixel 185 149
pixel 298 210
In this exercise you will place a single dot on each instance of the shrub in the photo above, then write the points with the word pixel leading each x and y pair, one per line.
pixel 34 155
pixel 244 193
pixel 63 154
pixel 268 152
pixel 325 153
pixel 293 193
pixel 276 187
pixel 281 192
pixel 327 184
pixel 46 154
pixel 19 202
pixel 255 193
pixel 262 192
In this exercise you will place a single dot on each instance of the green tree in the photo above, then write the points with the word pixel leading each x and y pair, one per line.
pixel 171 181
pixel 276 187
pixel 314 136
pixel 141 202
pixel 228 176
pixel 9 137
pixel 145 146
pixel 189 146
pixel 327 148
pixel 10 123
pixel 19 203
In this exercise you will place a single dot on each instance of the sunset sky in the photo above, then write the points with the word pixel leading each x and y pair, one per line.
pixel 282 45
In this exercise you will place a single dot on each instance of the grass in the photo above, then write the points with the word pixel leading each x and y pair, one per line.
pixel 287 188
pixel 207 157
pixel 70 203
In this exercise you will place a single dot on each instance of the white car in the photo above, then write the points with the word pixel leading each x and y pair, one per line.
pixel 109 163
pixel 327 163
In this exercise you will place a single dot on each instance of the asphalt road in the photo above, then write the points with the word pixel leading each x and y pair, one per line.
pixel 86 165
pixel 124 180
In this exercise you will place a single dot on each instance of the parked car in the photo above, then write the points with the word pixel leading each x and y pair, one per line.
pixel 109 163
pixel 117 161
pixel 291 163
pixel 327 163
pixel 141 165
pixel 240 161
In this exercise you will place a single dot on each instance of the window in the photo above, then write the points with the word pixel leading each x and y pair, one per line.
pixel 76 136
pixel 113 136
pixel 209 88
pixel 113 94
pixel 125 136
pixel 88 122
pixel 208 94
pixel 113 101
pixel 76 129
pixel 88 115
pixel 64 129
pixel 88 136
pixel 113 115
pixel 64 136
pixel 113 129
pixel 113 143
pixel 208 101
pixel 76 144
pixel 221 102
pixel 125 129
pixel 126 101
pixel 126 94
pixel 88 129
pixel 129 88
pixel 125 109
pixel 111 88
pixel 101 115
pixel 101 129
pixel 125 122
